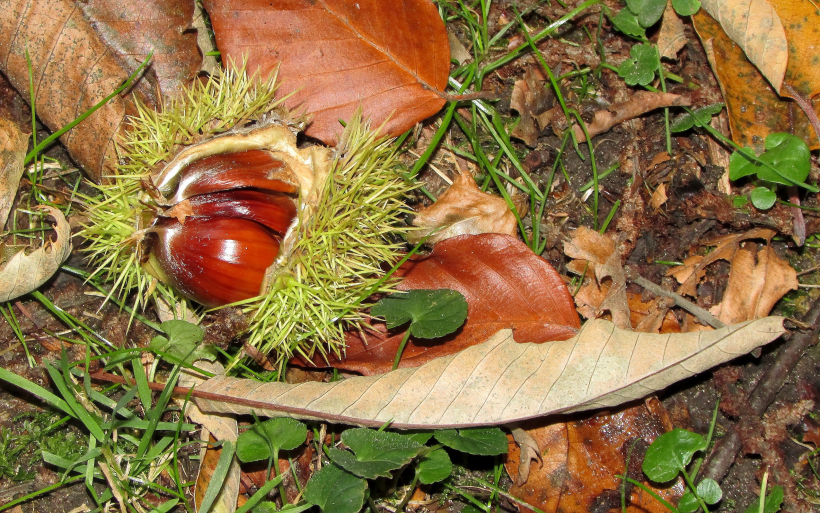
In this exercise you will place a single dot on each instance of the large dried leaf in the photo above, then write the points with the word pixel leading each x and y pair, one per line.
pixel 755 26
pixel 13 145
pixel 463 209
pixel 501 381
pixel 506 286
pixel 71 71
pixel 25 272
pixel 388 57
pixel 133 29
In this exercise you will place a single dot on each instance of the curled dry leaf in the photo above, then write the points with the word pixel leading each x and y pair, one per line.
pixel 25 272
pixel 13 145
pixel 595 256
pixel 463 209
pixel 534 102
pixel 390 58
pixel 65 50
pixel 505 284
pixel 501 381
pixel 671 37
pixel 640 103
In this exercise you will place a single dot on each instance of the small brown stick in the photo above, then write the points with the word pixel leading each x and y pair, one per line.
pixel 692 308
pixel 725 451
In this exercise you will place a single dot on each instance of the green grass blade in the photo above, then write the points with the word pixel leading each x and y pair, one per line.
pixel 142 383
pixel 218 477
pixel 37 390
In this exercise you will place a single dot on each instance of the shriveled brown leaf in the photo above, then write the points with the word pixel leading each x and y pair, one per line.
pixel 582 459
pixel 25 271
pixel 457 50
pixel 640 103
pixel 533 102
pixel 506 286
pixel 13 145
pixel 390 58
pixel 133 29
pixel 501 381
pixel 463 209
pixel 659 197
pixel 595 256
pixel 653 316
pixel 671 37
pixel 755 26
pixel 71 71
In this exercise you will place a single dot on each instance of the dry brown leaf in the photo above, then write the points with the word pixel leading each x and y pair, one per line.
pixel 71 71
pixel 389 58
pixel 581 460
pixel 25 272
pixel 501 381
pixel 533 102
pixel 652 317
pixel 135 28
pixel 457 50
pixel 671 37
pixel 640 103
pixel 13 145
pixel 463 209
pixel 596 254
pixel 659 197
pixel 755 26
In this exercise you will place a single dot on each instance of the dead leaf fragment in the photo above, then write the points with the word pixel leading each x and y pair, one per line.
pixel 13 145
pixel 463 209
pixel 659 197
pixel 501 381
pixel 533 102
pixel 671 37
pixel 457 50
pixel 335 56
pixel 25 272
pixel 640 103
pixel 595 254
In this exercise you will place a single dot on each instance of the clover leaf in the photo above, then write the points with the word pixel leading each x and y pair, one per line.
pixel 183 343
pixel 641 65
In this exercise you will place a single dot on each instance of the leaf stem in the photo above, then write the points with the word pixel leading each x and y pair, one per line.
pixel 401 349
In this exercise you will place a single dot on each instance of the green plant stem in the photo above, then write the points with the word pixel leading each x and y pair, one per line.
pixel 507 495
pixel 401 349
pixel 406 500
pixel 694 489
pixel 646 489
pixel 40 147
pixel 42 491
pixel 665 109
pixel 709 435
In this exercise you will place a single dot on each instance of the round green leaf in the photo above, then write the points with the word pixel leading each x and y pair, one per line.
pixel 336 491
pixel 627 22
pixel 670 453
pixel 647 11
pixel 763 198
pixel 688 503
pixel 641 65
pixel 375 453
pixel 710 491
pixel 432 313
pixel 281 433
pixel 686 7
pixel 435 466
pixel 478 441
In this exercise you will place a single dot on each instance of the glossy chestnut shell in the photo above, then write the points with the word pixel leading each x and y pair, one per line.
pixel 224 228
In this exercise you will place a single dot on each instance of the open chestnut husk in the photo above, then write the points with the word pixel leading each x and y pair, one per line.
pixel 216 202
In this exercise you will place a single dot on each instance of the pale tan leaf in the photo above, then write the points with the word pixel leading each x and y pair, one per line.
pixel 25 272
pixel 500 381
pixel 463 209
pixel 755 26
pixel 671 37
pixel 13 144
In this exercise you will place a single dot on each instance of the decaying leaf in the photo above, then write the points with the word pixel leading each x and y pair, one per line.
pixel 25 272
pixel 67 51
pixel 595 256
pixel 533 102
pixel 757 279
pixel 671 37
pixel 463 209
pixel 582 459
pixel 13 145
pixel 640 103
pixel 334 56
pixel 756 27
pixel 505 284
pixel 501 381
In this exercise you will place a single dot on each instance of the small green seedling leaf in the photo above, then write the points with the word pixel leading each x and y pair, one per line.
pixel 421 437
pixel 627 22
pixel 335 490
pixel 431 313
pixel 670 453
pixel 647 11
pixel 375 453
pixel 788 158
pixel 686 7
pixel 183 342
pixel 698 117
pixel 478 441
pixel 434 467
pixel 688 503
pixel 772 503
pixel 763 198
pixel 709 490
pixel 641 65
pixel 279 434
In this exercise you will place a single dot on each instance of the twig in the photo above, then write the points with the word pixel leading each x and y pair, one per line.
pixel 764 393
pixel 681 301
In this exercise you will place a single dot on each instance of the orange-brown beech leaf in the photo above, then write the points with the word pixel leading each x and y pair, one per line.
pixel 463 209
pixel 604 288
pixel 500 381
pixel 582 458
pixel 653 316
pixel 71 71
pixel 506 286
pixel 391 58
pixel 133 29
